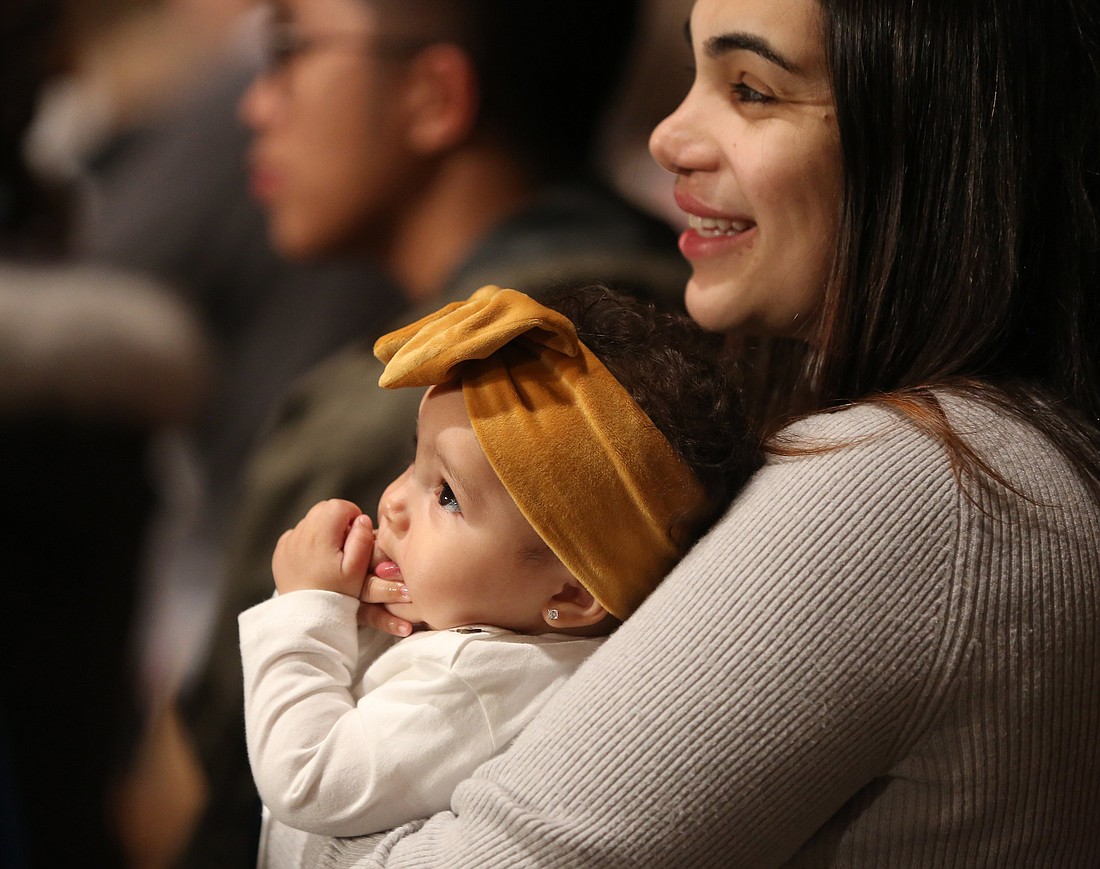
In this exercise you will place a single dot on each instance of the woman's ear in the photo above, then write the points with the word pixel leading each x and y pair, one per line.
pixel 573 607
pixel 441 99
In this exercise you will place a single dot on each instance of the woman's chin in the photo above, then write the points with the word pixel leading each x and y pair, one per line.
pixel 730 307
pixel 714 305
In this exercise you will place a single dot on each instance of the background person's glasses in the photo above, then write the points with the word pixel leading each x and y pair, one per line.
pixel 283 41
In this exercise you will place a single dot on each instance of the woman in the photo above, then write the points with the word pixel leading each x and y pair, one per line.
pixel 888 652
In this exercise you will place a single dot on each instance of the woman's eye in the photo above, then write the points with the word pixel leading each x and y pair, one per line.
pixel 447 500
pixel 745 94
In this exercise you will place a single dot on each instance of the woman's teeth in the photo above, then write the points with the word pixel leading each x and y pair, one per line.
pixel 716 226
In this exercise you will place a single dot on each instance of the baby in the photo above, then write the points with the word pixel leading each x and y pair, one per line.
pixel 568 453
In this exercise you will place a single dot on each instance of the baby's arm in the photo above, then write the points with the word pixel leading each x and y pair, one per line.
pixel 328 764
pixel 322 761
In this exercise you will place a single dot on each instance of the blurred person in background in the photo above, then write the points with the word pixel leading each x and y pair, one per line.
pixel 140 126
pixel 143 128
pixel 94 363
pixel 454 142
pixel 657 81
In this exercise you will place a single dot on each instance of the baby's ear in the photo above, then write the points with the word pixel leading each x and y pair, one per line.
pixel 573 607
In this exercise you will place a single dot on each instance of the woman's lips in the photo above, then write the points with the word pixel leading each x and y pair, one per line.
pixel 709 231
pixel 696 245
pixel 715 227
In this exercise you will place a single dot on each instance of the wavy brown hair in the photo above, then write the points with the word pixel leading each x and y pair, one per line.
pixel 681 377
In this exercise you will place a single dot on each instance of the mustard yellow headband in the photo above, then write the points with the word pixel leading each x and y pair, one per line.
pixel 587 468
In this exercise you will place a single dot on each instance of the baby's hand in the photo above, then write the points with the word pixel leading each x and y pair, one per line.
pixel 380 590
pixel 329 550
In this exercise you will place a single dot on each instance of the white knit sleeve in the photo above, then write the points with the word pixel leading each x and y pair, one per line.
pixel 331 758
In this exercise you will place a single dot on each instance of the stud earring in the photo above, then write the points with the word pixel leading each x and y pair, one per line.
pixel 552 615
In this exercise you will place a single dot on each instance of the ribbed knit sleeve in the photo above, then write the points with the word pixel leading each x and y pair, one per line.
pixel 861 665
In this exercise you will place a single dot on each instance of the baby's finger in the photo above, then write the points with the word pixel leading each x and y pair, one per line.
pixel 378 590
pixel 328 521
pixel 380 619
pixel 358 547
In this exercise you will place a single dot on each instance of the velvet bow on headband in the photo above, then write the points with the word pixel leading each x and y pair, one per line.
pixel 587 468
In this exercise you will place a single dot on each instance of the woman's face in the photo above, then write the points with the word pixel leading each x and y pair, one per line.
pixel 756 154
pixel 328 152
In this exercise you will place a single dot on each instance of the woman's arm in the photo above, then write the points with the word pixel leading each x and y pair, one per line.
pixel 789 660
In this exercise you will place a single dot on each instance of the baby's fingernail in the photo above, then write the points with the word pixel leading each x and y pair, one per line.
pixel 404 591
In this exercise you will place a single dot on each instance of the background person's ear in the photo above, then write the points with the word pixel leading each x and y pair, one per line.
pixel 442 99
pixel 575 606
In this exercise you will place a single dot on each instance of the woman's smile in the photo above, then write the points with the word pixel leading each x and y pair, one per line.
pixel 709 231
pixel 756 153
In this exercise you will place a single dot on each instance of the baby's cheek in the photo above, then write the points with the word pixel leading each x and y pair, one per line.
pixel 403 610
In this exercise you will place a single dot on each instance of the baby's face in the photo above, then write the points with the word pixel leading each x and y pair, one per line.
pixel 464 549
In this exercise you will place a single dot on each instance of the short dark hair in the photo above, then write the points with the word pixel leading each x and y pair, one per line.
pixel 547 69
pixel 682 378
pixel 968 249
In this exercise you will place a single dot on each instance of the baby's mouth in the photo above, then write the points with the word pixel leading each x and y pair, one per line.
pixel 382 565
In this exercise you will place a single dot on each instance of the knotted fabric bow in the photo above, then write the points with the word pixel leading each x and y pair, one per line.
pixel 588 469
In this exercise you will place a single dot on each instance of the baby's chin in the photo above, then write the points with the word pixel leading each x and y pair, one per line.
pixel 408 612
pixel 405 611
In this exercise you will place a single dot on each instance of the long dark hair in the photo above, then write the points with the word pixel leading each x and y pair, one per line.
pixel 968 252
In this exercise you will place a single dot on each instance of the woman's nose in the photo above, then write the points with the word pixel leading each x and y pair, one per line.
pixel 677 144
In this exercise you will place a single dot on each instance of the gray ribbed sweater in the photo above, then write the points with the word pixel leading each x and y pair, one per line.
pixel 859 666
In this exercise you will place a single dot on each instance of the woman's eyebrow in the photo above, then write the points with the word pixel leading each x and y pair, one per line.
pixel 717 46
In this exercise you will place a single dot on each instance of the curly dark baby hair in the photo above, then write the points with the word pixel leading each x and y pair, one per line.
pixel 680 376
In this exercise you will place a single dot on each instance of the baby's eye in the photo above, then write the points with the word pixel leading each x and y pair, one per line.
pixel 447 499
